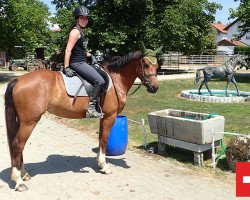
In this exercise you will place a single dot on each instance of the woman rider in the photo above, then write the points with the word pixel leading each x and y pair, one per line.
pixel 76 56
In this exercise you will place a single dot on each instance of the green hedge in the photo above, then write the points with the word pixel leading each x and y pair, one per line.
pixel 242 50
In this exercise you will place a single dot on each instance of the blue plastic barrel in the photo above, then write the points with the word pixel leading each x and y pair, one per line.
pixel 118 138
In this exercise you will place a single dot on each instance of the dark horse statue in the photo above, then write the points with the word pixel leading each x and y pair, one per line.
pixel 29 96
pixel 225 71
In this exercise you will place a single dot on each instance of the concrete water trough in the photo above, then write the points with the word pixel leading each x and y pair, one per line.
pixel 188 130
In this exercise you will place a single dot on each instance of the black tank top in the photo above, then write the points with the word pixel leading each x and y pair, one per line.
pixel 78 53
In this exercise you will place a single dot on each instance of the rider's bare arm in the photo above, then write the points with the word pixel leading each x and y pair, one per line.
pixel 73 37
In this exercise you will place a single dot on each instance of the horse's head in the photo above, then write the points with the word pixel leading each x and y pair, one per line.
pixel 242 60
pixel 147 72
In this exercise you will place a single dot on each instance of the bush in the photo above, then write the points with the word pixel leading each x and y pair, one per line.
pixel 238 150
pixel 242 50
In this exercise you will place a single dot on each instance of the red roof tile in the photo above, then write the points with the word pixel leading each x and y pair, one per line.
pixel 220 27
pixel 231 24
pixel 224 28
pixel 227 42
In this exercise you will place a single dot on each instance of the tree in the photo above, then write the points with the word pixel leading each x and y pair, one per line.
pixel 24 23
pixel 121 25
pixel 187 26
pixel 242 13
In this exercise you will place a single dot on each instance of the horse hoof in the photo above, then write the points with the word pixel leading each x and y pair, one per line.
pixel 26 177
pixel 106 170
pixel 21 188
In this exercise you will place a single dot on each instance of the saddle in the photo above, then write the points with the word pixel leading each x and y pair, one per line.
pixel 77 86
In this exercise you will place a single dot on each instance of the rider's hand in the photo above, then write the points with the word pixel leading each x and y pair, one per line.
pixel 68 72
pixel 94 61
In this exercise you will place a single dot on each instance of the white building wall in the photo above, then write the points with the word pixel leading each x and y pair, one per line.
pixel 246 38
pixel 232 31
pixel 229 50
pixel 221 36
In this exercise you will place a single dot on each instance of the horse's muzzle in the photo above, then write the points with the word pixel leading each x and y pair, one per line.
pixel 152 89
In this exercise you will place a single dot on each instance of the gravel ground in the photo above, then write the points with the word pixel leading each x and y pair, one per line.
pixel 62 163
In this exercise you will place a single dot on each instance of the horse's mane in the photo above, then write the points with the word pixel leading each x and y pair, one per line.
pixel 120 61
pixel 232 60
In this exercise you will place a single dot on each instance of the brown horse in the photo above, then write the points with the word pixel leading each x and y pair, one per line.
pixel 29 96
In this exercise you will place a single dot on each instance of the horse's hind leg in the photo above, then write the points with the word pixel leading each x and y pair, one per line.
pixel 236 85
pixel 18 173
pixel 24 174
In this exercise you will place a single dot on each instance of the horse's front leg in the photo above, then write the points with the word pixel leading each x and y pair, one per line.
pixel 206 84
pixel 199 90
pixel 236 86
pixel 105 127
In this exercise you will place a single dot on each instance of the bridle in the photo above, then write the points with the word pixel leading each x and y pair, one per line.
pixel 141 70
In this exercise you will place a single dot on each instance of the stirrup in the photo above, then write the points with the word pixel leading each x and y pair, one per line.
pixel 98 115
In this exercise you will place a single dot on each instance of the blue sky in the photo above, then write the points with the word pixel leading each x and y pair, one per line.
pixel 221 15
pixel 52 7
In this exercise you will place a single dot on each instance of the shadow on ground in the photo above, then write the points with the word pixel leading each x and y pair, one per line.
pixel 5 77
pixel 222 165
pixel 175 153
pixel 186 156
pixel 55 164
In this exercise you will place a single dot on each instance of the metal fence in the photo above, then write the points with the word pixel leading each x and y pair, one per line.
pixel 206 59
pixel 176 60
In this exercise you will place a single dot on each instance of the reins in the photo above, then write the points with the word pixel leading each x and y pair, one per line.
pixel 136 89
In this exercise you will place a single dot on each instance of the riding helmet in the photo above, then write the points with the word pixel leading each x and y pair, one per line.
pixel 81 11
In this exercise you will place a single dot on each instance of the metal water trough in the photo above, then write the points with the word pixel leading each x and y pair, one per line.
pixel 188 130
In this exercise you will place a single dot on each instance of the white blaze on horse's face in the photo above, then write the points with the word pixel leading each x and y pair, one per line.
pixel 149 73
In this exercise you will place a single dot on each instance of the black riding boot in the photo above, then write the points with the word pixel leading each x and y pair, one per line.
pixel 92 111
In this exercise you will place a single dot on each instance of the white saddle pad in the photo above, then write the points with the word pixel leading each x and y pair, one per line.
pixel 72 85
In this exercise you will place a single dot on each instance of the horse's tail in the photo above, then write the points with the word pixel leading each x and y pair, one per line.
pixel 198 76
pixel 12 123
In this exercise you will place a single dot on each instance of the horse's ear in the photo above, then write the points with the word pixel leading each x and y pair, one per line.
pixel 159 50
pixel 143 48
